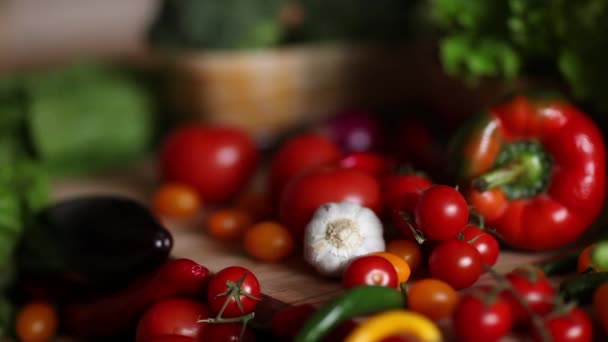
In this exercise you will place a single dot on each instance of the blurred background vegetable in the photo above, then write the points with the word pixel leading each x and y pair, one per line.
pixel 561 42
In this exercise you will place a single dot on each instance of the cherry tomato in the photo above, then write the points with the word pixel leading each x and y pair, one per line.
pixel 228 224
pixel 591 258
pixel 177 316
pixel 288 321
pixel 455 262
pixel 249 293
pixel 485 243
pixel 441 213
pixel 535 288
pixel 256 204
pixel 573 326
pixel 600 305
pixel 394 187
pixel 369 270
pixel 401 266
pixel 216 161
pixel 369 162
pixel 227 332
pixel 296 155
pixel 176 201
pixel 408 250
pixel 36 322
pixel 172 338
pixel 268 241
pixel 478 319
pixel 306 193
pixel 490 204
pixel 433 298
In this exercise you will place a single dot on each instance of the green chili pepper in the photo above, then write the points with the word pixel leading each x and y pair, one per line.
pixel 581 288
pixel 357 301
pixel 560 266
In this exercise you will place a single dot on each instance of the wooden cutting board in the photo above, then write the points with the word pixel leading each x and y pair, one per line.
pixel 287 283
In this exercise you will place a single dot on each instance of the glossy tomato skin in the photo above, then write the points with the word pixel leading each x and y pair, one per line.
pixel 433 298
pixel 396 186
pixel 227 332
pixel 455 262
pixel 304 194
pixel 297 155
pixel 535 288
pixel 485 243
pixel 217 161
pixel 178 316
pixel 287 322
pixel 574 326
pixel 172 338
pixel 370 270
pixel 477 319
pixel 36 321
pixel 441 213
pixel 600 306
pixel 372 163
pixel 217 287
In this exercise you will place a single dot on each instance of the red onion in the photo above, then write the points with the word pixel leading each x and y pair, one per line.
pixel 354 131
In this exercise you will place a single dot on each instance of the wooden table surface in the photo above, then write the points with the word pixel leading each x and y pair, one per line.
pixel 290 282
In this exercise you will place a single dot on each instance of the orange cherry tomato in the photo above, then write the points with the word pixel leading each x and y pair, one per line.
pixel 228 224
pixel 36 322
pixel 401 266
pixel 433 298
pixel 600 305
pixel 408 250
pixel 176 201
pixel 490 204
pixel 257 204
pixel 268 241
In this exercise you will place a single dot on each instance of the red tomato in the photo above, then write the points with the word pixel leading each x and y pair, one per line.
pixel 573 326
pixel 227 332
pixel 287 322
pixel 306 193
pixel 217 161
pixel 478 319
pixel 173 338
pixel 36 321
pixel 490 204
pixel 395 187
pixel 173 317
pixel 485 243
pixel 369 162
pixel 296 155
pixel 455 262
pixel 249 291
pixel 441 213
pixel 370 270
pixel 535 288
pixel 600 306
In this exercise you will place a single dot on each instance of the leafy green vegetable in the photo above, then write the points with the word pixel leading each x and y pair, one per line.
pixel 560 40
pixel 23 189
pixel 87 116
pixel 244 24
pixel 225 24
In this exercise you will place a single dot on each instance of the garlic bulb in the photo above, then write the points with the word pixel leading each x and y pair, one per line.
pixel 340 232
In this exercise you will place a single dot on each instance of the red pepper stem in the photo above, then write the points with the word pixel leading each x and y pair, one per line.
pixel 500 176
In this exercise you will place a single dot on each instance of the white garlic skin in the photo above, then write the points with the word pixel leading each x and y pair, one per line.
pixel 340 232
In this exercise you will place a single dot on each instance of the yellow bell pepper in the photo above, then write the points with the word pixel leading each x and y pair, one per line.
pixel 395 322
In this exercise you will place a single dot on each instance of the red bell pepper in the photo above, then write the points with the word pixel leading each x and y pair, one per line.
pixel 114 313
pixel 537 171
